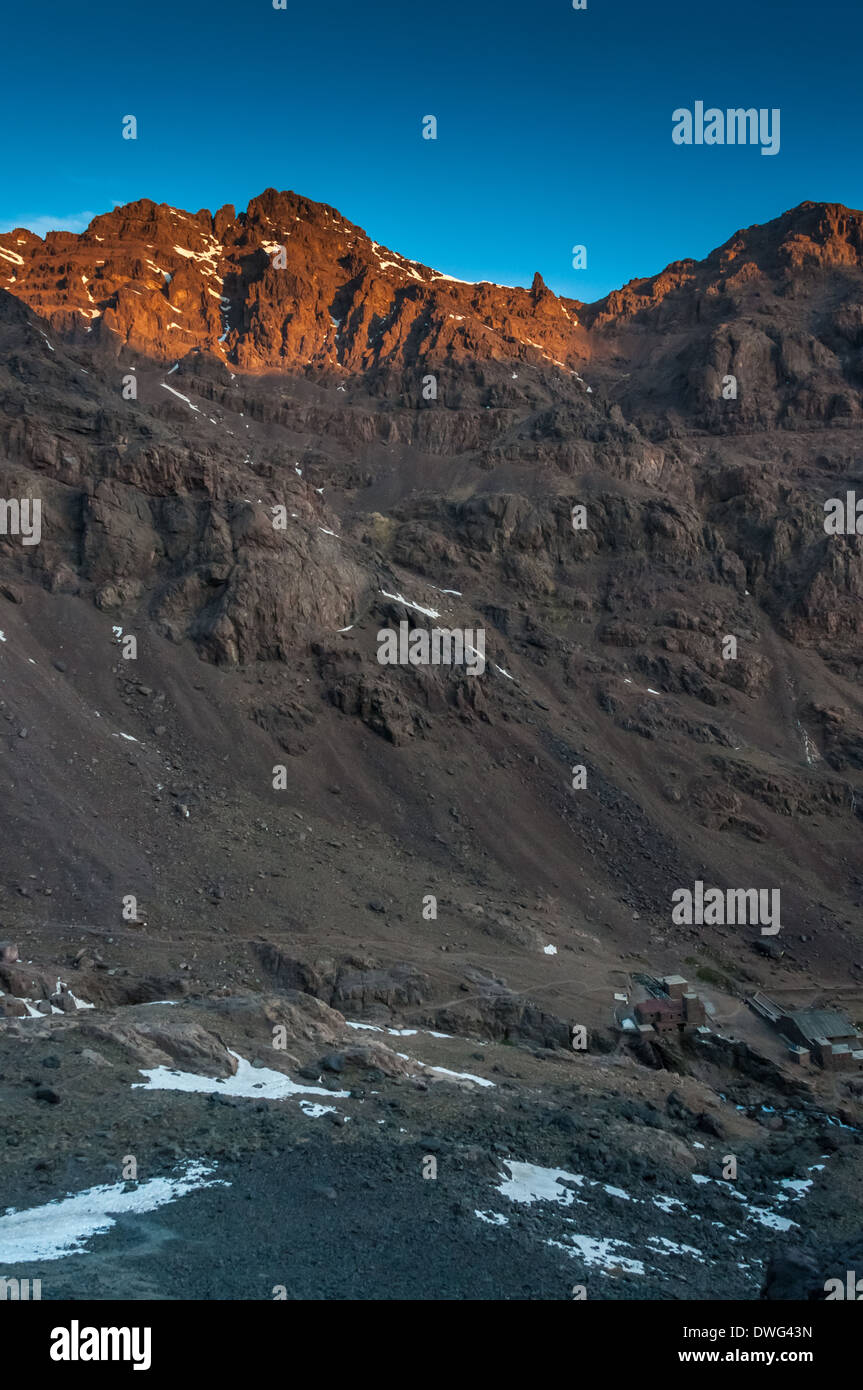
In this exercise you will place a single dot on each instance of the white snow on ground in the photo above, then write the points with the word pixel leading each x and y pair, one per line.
pixel 455 280
pixel 397 1032
pixel 769 1219
pixel 32 1012
pixel 668 1204
pixel 799 1185
pixel 399 598
pixel 255 1083
pixel 529 1183
pixel 459 1075
pixel 210 255
pixel 328 532
pixel 445 1071
pixel 671 1247
pixel 384 265
pixel 494 1218
pixel 393 1032
pixel 79 1003
pixel 549 950
pixel 599 1252
pixel 763 1215
pixel 2 636
pixel 62 1228
pixel 166 387
pixel 616 1192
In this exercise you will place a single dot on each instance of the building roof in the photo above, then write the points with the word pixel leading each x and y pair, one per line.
pixel 674 979
pixel 767 1007
pixel 817 1024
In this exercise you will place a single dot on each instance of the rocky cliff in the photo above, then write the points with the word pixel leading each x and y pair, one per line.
pixel 228 422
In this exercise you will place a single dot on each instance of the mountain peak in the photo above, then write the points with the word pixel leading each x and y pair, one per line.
pixel 289 284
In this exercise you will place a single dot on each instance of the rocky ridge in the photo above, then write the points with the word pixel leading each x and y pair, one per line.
pixel 255 495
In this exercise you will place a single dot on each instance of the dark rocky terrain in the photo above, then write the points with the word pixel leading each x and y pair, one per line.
pixel 163 388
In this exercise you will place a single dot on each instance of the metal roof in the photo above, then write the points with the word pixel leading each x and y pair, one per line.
pixel 823 1023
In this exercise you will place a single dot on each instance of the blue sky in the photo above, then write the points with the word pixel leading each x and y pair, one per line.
pixel 554 125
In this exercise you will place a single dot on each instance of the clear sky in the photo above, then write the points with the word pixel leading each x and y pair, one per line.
pixel 554 125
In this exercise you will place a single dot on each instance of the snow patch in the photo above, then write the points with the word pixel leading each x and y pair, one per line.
pixel 528 1183
pixel 61 1228
pixel 179 394
pixel 255 1083
pixel 599 1252
pixel 418 608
